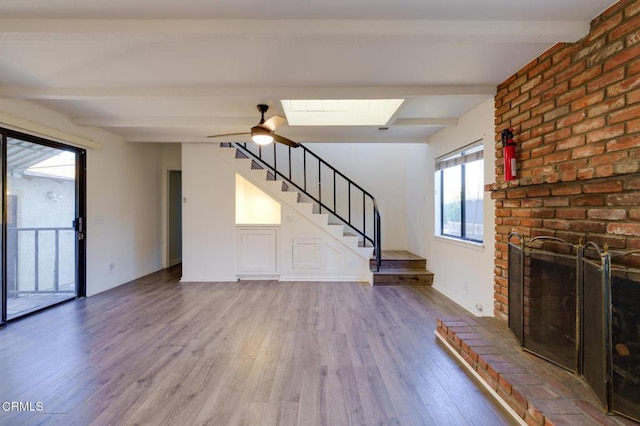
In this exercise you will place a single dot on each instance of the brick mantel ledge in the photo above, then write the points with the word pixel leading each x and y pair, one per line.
pixel 616 171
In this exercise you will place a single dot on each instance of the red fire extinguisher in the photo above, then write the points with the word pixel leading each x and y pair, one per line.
pixel 509 154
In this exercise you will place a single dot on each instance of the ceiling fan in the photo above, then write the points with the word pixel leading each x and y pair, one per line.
pixel 262 133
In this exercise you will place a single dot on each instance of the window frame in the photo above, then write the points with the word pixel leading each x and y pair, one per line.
pixel 462 156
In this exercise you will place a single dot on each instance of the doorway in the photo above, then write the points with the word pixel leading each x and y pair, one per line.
pixel 174 218
pixel 43 254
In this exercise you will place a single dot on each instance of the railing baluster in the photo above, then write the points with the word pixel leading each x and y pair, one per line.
pixel 320 186
pixel 36 273
pixel 335 208
pixel 56 278
pixel 375 227
pixel 275 158
pixel 378 242
pixel 304 167
pixel 289 163
pixel 349 199
pixel 364 215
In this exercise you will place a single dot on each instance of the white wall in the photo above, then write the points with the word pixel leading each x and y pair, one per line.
pixel 463 272
pixel 123 214
pixel 123 200
pixel 381 170
pixel 208 215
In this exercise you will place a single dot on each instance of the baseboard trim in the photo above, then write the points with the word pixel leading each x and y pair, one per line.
pixel 223 279
pixel 322 278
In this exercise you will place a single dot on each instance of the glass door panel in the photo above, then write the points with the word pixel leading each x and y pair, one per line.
pixel 41 263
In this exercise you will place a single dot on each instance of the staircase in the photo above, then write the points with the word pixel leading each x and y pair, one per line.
pixel 300 201
pixel 394 267
pixel 400 267
pixel 346 204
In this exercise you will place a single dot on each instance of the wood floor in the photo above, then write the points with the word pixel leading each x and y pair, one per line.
pixel 159 352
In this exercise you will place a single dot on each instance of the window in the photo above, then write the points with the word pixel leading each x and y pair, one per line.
pixel 459 193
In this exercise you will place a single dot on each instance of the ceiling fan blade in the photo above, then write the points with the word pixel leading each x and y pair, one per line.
pixel 274 122
pixel 228 134
pixel 285 141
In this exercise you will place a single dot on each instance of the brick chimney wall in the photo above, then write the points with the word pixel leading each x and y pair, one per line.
pixel 575 113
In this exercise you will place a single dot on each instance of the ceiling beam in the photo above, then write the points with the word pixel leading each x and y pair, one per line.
pixel 428 122
pixel 144 30
pixel 31 127
pixel 311 139
pixel 158 122
pixel 364 92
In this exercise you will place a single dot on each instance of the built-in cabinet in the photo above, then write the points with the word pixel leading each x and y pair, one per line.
pixel 257 252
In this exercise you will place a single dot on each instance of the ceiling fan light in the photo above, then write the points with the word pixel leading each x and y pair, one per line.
pixel 262 139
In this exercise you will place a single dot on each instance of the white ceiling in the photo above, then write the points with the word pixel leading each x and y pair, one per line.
pixel 176 71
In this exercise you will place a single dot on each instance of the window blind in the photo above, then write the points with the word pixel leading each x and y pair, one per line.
pixel 468 153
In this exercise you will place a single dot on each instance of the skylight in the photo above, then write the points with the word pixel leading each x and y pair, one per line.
pixel 340 112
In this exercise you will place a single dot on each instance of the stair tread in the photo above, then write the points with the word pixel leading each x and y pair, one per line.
pixel 399 259
pixel 399 255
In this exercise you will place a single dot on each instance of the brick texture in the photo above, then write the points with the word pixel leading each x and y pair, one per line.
pixel 575 114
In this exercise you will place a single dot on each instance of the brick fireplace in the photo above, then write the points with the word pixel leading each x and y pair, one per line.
pixel 575 114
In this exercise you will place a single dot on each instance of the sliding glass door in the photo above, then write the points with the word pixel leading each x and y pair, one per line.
pixel 43 235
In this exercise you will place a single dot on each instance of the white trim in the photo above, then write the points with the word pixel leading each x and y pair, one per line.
pixel 224 279
pixel 257 277
pixel 460 242
pixel 475 374
pixel 312 278
pixel 468 305
pixel 30 127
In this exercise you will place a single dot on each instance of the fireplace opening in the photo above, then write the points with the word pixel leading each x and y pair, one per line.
pixel 625 340
pixel 550 308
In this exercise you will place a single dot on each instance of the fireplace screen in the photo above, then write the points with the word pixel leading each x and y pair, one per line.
pixel 625 339
pixel 593 326
pixel 579 307
pixel 550 318
pixel 516 306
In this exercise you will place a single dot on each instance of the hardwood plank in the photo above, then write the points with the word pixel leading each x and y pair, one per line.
pixel 157 351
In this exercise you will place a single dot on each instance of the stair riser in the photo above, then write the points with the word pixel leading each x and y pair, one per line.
pixel 390 280
pixel 420 264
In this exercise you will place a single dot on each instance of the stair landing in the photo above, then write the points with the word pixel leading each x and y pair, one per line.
pixel 401 267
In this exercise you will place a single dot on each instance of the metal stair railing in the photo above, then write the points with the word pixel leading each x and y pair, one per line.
pixel 324 185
